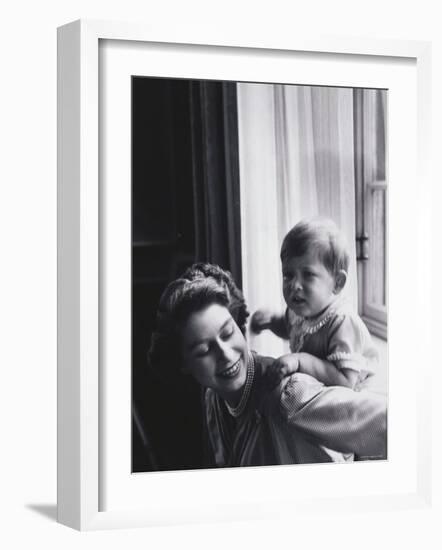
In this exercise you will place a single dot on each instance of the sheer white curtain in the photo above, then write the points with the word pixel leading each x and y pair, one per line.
pixel 296 161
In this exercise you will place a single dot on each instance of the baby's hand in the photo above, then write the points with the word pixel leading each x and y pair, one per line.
pixel 261 320
pixel 282 367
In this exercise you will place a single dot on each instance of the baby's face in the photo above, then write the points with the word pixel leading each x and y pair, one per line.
pixel 308 287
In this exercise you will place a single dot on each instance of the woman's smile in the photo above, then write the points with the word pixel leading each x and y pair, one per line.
pixel 232 371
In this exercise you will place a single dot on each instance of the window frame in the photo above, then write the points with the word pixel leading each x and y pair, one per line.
pixel 375 316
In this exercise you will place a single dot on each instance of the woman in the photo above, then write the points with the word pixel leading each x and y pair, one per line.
pixel 200 328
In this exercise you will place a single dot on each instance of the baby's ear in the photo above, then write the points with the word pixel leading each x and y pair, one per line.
pixel 341 279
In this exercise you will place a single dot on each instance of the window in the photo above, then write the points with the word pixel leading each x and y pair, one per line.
pixel 371 207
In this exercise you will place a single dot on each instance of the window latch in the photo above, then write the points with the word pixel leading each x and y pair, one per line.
pixel 362 247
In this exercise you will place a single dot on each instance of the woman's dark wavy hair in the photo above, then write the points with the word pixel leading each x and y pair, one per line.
pixel 199 286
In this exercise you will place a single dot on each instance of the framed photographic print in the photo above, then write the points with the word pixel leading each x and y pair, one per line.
pixel 174 151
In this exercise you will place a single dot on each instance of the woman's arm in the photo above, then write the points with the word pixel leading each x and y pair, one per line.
pixel 339 418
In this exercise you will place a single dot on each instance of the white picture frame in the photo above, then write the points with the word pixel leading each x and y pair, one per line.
pixel 79 273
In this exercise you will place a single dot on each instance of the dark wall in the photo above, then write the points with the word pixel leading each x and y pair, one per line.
pixel 185 208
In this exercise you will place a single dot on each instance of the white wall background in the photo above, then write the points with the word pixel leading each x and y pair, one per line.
pixel 28 266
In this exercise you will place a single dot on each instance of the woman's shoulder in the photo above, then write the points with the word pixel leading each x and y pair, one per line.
pixel 290 384
pixel 262 363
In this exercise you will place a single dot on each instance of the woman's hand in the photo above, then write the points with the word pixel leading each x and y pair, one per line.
pixel 282 367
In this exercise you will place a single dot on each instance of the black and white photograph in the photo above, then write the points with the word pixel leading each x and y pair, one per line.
pixel 259 274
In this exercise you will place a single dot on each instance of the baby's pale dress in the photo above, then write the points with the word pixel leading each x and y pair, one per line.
pixel 337 335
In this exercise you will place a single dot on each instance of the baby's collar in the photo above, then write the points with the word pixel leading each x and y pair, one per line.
pixel 312 325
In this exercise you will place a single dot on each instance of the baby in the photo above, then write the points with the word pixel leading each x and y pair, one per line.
pixel 327 339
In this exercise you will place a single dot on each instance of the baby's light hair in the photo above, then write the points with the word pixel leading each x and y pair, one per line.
pixel 320 236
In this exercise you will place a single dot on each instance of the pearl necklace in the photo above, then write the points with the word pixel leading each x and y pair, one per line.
pixel 239 409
